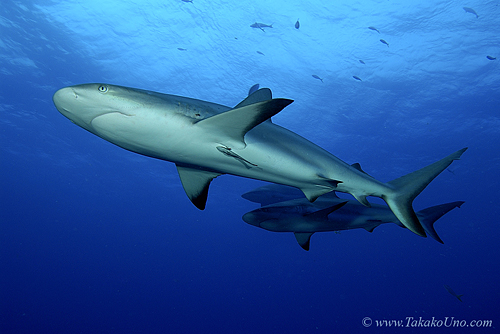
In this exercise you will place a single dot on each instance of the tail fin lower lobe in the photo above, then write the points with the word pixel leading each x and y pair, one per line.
pixel 429 216
pixel 406 188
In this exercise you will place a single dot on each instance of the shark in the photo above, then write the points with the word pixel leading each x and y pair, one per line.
pixel 453 293
pixel 327 213
pixel 206 140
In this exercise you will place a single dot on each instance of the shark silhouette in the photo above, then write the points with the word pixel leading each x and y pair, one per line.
pixel 206 140
pixel 328 213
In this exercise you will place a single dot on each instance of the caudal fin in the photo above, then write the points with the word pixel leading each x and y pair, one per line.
pixel 429 216
pixel 407 187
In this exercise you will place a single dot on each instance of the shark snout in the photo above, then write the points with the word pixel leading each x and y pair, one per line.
pixel 259 219
pixel 254 218
pixel 249 218
pixel 63 99
pixel 80 104
pixel 69 104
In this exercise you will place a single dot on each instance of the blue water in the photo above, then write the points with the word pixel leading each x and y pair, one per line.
pixel 96 239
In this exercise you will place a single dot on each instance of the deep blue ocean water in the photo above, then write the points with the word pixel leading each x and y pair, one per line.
pixel 96 239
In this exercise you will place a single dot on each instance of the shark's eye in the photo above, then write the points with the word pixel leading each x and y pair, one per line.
pixel 102 89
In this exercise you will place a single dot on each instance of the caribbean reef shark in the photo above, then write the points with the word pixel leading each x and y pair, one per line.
pixel 327 213
pixel 206 140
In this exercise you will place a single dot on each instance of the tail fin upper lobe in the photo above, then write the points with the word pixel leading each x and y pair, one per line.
pixel 406 188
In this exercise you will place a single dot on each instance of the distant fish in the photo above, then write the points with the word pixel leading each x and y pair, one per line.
pixel 362 62
pixel 470 10
pixel 181 49
pixel 188 1
pixel 453 293
pixel 357 78
pixel 260 53
pixel 253 89
pixel 490 57
pixel 261 26
pixel 384 42
pixel 373 28
pixel 297 24
pixel 316 77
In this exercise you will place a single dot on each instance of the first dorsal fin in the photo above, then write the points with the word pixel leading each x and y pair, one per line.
pixel 323 213
pixel 231 126
pixel 196 183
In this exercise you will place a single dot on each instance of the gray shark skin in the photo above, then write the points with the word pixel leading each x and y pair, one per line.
pixel 328 213
pixel 206 140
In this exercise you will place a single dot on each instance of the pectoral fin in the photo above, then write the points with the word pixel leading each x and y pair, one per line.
pixel 304 239
pixel 196 183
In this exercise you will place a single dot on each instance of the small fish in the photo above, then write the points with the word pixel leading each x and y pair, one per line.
pixel 261 26
pixel 470 10
pixel 181 49
pixel 188 1
pixel 384 42
pixel 253 89
pixel 374 29
pixel 453 293
pixel 316 77
pixel 260 53
pixel 227 151
pixel 357 78
pixel 490 57
pixel 362 62
pixel 297 24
